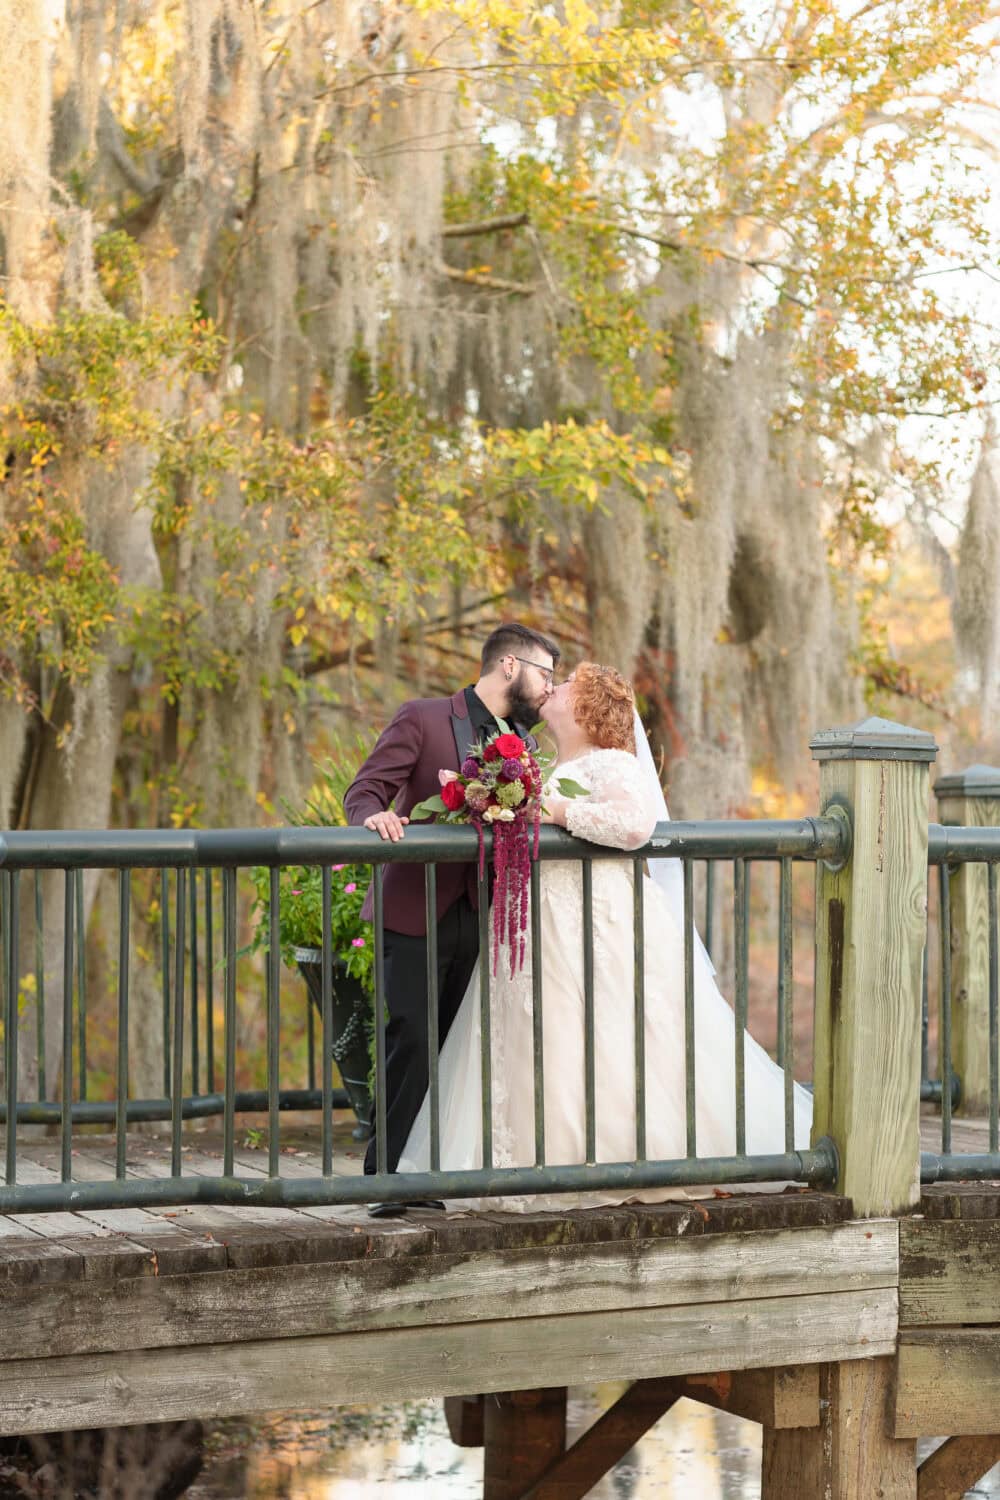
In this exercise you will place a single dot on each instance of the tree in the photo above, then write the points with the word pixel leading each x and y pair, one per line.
pixel 331 330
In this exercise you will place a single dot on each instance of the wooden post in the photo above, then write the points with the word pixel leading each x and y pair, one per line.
pixel 871 926
pixel 524 1431
pixel 852 1454
pixel 970 799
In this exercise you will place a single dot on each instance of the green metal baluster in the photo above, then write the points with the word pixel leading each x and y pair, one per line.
pixel 378 900
pixel 121 1107
pixel 690 1037
pixel 537 1014
pixel 193 958
pixel 40 985
pixel 177 1089
pixel 433 1080
pixel 485 1023
pixel 991 886
pixel 210 984
pixel 229 947
pixel 740 886
pixel 326 1004
pixel 11 1022
pixel 66 1132
pixel 273 1025
pixel 785 996
pixel 944 1045
pixel 589 1056
pixel 165 973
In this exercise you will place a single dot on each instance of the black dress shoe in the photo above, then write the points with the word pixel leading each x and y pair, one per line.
pixel 396 1210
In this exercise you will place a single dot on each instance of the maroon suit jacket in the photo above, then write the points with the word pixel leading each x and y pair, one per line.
pixel 427 735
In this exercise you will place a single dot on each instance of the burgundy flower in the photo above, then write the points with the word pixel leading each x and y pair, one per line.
pixel 470 767
pixel 511 770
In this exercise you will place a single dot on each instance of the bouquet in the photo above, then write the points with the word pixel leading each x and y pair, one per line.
pixel 500 787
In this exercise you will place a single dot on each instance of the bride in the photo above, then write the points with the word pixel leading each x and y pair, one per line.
pixel 592 718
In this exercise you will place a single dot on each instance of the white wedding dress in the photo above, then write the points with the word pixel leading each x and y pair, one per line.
pixel 617 812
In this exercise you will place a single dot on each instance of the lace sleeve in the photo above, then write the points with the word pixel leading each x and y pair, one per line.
pixel 616 812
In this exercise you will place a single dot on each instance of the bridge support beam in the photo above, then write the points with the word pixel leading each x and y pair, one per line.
pixel 523 1432
pixel 852 1454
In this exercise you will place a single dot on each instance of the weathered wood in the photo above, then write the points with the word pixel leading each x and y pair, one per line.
pixel 852 1454
pixel 961 1200
pixel 955 1466
pixel 31 1260
pixel 949 1272
pixel 970 953
pixel 292 1300
pixel 948 1380
pixel 575 1473
pixel 871 928
pixel 464 1415
pixel 97 1390
pixel 783 1397
pixel 523 1432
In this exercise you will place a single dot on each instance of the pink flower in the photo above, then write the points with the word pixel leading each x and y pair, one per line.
pixel 445 776
pixel 351 885
pixel 357 942
pixel 296 893
pixel 338 867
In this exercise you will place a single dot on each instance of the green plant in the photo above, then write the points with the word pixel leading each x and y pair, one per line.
pixel 300 887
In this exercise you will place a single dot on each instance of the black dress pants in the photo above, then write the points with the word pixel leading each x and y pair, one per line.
pixel 406 1069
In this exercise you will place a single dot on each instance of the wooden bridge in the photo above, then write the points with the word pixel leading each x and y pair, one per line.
pixel 848 1321
pixel 845 1338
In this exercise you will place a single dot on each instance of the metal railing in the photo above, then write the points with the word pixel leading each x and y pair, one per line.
pixel 949 849
pixel 223 854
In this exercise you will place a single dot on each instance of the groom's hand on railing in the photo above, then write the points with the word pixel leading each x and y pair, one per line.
pixel 388 825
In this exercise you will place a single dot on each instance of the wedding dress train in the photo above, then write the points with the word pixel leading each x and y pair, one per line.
pixel 618 812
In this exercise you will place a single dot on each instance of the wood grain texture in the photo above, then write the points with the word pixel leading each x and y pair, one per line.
pixel 949 1271
pixel 871 927
pixel 293 1300
pixel 970 957
pixel 785 1397
pixel 955 1466
pixel 852 1454
pixel 97 1390
pixel 948 1381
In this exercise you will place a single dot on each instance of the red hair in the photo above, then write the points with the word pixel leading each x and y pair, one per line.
pixel 604 706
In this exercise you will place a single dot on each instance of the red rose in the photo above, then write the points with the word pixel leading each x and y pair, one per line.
pixel 453 795
pixel 509 746
pixel 491 752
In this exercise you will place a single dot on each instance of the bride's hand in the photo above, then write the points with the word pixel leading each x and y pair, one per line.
pixel 555 812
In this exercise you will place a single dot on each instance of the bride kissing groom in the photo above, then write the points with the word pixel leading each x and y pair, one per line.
pixel 600 742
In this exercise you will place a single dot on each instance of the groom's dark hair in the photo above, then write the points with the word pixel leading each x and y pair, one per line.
pixel 510 640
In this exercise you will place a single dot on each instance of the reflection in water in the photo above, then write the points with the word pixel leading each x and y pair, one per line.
pixel 356 1453
pixel 405 1452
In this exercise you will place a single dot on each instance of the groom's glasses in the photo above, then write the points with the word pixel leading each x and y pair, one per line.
pixel 546 672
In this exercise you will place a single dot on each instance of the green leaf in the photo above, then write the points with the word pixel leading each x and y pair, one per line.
pixel 504 726
pixel 428 808
pixel 569 788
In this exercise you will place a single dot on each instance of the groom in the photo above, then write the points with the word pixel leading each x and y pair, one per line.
pixel 426 736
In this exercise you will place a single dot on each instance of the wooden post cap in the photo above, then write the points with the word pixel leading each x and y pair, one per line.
pixel 977 781
pixel 874 739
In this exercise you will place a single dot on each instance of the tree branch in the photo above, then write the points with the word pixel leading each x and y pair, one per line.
pixel 490 283
pixel 484 226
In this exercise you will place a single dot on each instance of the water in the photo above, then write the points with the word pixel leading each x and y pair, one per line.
pixel 405 1453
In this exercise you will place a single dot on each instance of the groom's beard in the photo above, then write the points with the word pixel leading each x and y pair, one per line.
pixel 521 710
